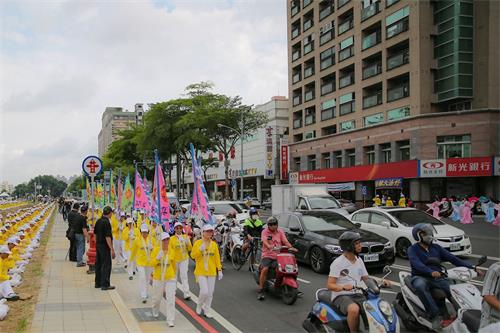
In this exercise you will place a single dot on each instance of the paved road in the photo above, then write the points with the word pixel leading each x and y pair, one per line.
pixel 235 296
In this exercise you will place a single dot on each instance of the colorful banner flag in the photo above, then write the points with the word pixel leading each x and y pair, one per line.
pixel 112 191
pixel 127 196
pixel 159 203
pixel 119 188
pixel 199 204
pixel 141 200
pixel 100 196
pixel 88 191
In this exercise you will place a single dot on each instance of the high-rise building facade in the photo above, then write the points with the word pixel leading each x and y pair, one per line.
pixel 114 120
pixel 380 88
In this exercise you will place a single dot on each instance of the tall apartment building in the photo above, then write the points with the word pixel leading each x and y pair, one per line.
pixel 114 120
pixel 389 95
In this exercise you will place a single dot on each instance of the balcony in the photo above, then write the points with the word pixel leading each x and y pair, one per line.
pixel 308 24
pixel 398 92
pixel 309 95
pixel 325 12
pixel 295 32
pixel 399 59
pixel 346 53
pixel 341 3
pixel 297 123
pixel 308 71
pixel 327 88
pixel 372 70
pixel 371 40
pixel 296 100
pixel 347 108
pixel 295 55
pixel 373 100
pixel 308 48
pixel 347 25
pixel 295 9
pixel 296 78
pixel 369 11
pixel 346 80
pixel 397 28
pixel 309 120
pixel 327 114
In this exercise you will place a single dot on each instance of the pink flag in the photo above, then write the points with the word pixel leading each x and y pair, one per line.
pixel 141 200
pixel 160 199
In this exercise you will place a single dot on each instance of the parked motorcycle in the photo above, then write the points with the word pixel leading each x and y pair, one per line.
pixel 377 314
pixel 465 304
pixel 283 279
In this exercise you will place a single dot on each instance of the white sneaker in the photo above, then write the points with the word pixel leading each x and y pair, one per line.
pixel 155 312
pixel 170 323
pixel 198 309
pixel 208 314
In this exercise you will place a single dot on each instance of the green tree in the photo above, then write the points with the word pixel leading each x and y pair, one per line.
pixel 77 185
pixel 49 184
pixel 123 152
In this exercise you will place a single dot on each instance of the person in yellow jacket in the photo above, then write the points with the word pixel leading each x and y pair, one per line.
pixel 376 201
pixel 181 247
pixel 6 290
pixel 129 234
pixel 141 253
pixel 402 200
pixel 163 263
pixel 208 266
pixel 116 230
pixel 389 202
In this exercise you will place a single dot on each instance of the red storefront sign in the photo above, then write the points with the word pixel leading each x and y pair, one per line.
pixel 469 167
pixel 284 161
pixel 220 183
pixel 403 169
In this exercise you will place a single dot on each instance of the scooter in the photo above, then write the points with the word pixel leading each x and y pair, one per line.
pixel 283 279
pixel 465 304
pixel 377 314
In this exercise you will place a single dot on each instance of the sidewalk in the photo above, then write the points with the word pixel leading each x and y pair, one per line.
pixel 68 301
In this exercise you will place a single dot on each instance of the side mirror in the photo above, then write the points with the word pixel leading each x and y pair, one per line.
pixel 482 260
pixel 386 224
pixel 358 225
pixel 372 285
pixel 295 229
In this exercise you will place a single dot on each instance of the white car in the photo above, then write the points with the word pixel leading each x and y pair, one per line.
pixel 396 224
pixel 224 207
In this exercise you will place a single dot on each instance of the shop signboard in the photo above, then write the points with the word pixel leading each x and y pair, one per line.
pixel 389 183
pixel 341 187
pixel 469 167
pixel 269 165
pixel 432 168
pixel 284 158
pixel 497 166
pixel 294 178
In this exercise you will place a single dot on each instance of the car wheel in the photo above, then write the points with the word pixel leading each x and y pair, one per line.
pixel 402 246
pixel 317 260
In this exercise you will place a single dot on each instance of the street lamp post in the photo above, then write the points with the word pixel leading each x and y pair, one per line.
pixel 240 133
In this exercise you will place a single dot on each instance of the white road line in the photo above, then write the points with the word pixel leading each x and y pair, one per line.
pixel 479 256
pixel 304 281
pixel 221 320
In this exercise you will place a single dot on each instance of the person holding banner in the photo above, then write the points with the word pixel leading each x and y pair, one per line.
pixel 208 266
pixel 164 280
pixel 129 234
pixel 141 253
pixel 180 248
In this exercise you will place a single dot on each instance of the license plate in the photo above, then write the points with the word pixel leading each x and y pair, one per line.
pixel 370 257
pixel 454 246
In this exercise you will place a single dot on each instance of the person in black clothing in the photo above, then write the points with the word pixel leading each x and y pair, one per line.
pixel 81 229
pixel 66 210
pixel 70 232
pixel 104 250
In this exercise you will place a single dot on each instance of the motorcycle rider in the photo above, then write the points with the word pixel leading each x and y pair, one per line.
pixel 425 276
pixel 252 227
pixel 344 271
pixel 490 312
pixel 272 238
pixel 234 229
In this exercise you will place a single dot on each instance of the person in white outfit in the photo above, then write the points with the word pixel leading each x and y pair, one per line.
pixel 180 246
pixel 164 280
pixel 141 253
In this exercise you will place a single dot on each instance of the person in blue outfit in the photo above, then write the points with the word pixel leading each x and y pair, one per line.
pixel 426 276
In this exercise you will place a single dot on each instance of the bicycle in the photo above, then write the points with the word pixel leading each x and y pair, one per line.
pixel 239 258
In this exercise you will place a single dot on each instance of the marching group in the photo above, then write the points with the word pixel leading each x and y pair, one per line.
pixel 20 232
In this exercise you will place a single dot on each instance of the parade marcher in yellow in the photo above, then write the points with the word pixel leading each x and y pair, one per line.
pixel 208 266
pixel 129 234
pixel 181 247
pixel 163 263
pixel 389 202
pixel 117 229
pixel 376 201
pixel 402 200
pixel 6 290
pixel 141 253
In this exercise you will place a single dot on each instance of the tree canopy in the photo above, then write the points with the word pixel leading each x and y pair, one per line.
pixel 49 184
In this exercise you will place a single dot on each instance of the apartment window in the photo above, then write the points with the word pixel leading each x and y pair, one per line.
pixel 341 3
pixel 309 93
pixel 398 55
pixel 296 74
pixel 296 52
pixel 310 135
pixel 346 22
pixel 372 66
pixel 389 3
pixel 371 37
pixel 347 125
pixel 351 157
pixel 329 130
pixel 346 76
pixel 298 137
pixel 309 68
pixel 370 154
pixel 386 152
pixel 310 116
pixel 308 20
pixel 328 109
pixel 311 162
pixel 307 3
pixel 372 96
pixel 346 48
pixel 326 33
pixel 450 146
pixel 295 7
pixel 404 150
pixel 325 161
pixel 398 87
pixel 297 119
pixel 397 22
pixel 327 58
pixel 325 9
pixel 296 28
pixel 296 163
pixel 337 158
pixel 297 97
pixel 347 103
pixel 399 113
pixel 370 8
pixel 308 44
pixel 374 119
pixel 327 84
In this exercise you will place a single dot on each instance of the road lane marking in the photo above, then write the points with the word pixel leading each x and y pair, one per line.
pixel 304 281
pixel 195 316
pixel 222 321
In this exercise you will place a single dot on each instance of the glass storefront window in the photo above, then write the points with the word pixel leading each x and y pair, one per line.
pixel 450 146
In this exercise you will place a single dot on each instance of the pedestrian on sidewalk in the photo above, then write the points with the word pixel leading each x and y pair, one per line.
pixel 70 232
pixel 164 280
pixel 81 230
pixel 141 253
pixel 104 250
pixel 206 255
pixel 129 234
pixel 181 247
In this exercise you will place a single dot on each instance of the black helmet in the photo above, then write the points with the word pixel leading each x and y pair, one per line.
pixel 272 220
pixel 347 239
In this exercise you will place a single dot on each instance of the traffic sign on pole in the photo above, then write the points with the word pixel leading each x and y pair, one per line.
pixel 92 166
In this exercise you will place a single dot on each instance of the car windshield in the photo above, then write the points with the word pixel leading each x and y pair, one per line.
pixel 411 217
pixel 325 202
pixel 224 208
pixel 326 222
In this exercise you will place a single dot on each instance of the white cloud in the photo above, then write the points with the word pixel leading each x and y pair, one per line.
pixel 62 63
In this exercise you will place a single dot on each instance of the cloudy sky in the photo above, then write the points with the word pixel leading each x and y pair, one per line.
pixel 63 62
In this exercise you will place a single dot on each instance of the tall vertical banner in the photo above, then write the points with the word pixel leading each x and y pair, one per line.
pixel 127 196
pixel 119 192
pixel 269 167
pixel 88 190
pixel 112 191
pixel 199 205
pixel 100 196
pixel 160 207
pixel 141 200
pixel 284 158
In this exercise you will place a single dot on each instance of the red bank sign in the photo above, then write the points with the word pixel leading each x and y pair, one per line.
pixel 284 159
pixel 456 167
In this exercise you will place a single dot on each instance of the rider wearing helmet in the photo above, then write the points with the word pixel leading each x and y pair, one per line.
pixel 345 270
pixel 427 276
pixel 252 227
